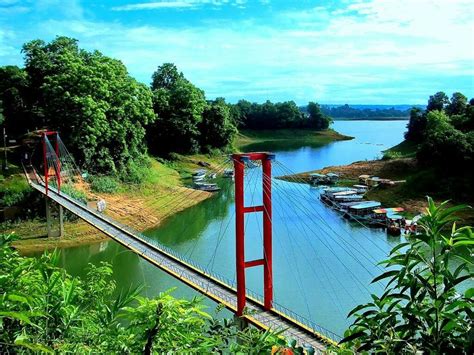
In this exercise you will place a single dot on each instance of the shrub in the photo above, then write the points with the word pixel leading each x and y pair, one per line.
pixel 427 304
pixel 74 193
pixel 389 155
pixel 104 184
pixel 14 190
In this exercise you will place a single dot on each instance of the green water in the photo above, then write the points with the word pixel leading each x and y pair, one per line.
pixel 323 264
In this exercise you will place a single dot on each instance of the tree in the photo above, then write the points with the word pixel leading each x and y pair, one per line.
pixel 43 309
pixel 165 77
pixel 437 102
pixel 17 105
pixel 216 127
pixel 178 105
pixel 444 145
pixel 457 105
pixel 317 119
pixel 424 307
pixel 416 126
pixel 98 108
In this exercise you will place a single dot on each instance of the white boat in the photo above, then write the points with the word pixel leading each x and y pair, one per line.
pixel 206 186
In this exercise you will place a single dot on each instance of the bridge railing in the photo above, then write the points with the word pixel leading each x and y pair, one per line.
pixel 231 283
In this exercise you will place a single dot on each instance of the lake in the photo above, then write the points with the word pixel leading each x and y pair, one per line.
pixel 323 264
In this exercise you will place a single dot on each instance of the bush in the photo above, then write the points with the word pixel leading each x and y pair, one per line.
pixel 74 193
pixel 104 184
pixel 14 190
pixel 428 299
pixel 389 155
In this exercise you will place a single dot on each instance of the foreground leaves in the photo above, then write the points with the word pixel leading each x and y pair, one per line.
pixel 427 304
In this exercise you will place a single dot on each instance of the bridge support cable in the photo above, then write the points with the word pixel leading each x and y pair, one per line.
pixel 293 177
pixel 293 262
pixel 294 242
pixel 307 221
pixel 364 253
pixel 240 161
pixel 294 326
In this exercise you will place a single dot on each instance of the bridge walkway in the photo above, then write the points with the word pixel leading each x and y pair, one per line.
pixel 199 280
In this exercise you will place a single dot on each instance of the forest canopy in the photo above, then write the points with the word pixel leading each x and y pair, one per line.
pixel 110 121
pixel 444 131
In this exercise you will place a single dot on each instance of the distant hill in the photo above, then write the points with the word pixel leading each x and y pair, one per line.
pixel 368 112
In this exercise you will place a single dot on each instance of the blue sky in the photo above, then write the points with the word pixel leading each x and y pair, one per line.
pixel 366 52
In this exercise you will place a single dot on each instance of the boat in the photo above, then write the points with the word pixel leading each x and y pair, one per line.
pixel 228 173
pixel 348 198
pixel 316 178
pixel 332 178
pixel 361 210
pixel 379 216
pixel 361 189
pixel 204 186
pixel 199 175
pixel 198 178
pixel 394 224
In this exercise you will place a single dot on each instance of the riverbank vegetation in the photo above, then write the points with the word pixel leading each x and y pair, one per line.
pixel 346 112
pixel 46 310
pixel 427 305
pixel 109 121
pixel 435 159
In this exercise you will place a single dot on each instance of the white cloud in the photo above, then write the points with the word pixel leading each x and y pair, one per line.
pixel 179 4
pixel 366 53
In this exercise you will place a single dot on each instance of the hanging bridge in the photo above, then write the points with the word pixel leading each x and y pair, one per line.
pixel 56 168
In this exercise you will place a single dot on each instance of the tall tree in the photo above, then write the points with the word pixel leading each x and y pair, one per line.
pixel 416 126
pixel 165 77
pixel 17 105
pixel 178 105
pixel 317 119
pixel 217 129
pixel 437 102
pixel 98 108
pixel 457 105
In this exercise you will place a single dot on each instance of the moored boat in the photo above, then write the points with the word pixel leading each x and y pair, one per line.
pixel 204 186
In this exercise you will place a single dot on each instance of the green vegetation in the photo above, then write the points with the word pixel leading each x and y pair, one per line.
pixel 186 122
pixel 47 310
pixel 352 113
pixel 406 149
pixel 105 184
pixel 288 137
pixel 278 115
pixel 427 306
pixel 14 190
pixel 444 132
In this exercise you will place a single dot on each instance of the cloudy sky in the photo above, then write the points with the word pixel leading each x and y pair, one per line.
pixel 366 51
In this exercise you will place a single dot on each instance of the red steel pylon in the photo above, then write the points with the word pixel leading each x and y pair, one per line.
pixel 240 211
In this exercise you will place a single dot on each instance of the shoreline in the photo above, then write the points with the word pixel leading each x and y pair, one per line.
pixel 146 206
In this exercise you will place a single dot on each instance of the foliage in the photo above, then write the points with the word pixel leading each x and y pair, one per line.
pixel 317 119
pixel 346 111
pixel 178 105
pixel 14 97
pixel 76 194
pixel 426 306
pixel 278 115
pixel 14 190
pixel 444 144
pixel 416 126
pixel 105 184
pixel 44 309
pixel 98 108
pixel 217 130
pixel 388 155
pixel 437 102
pixel 445 131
